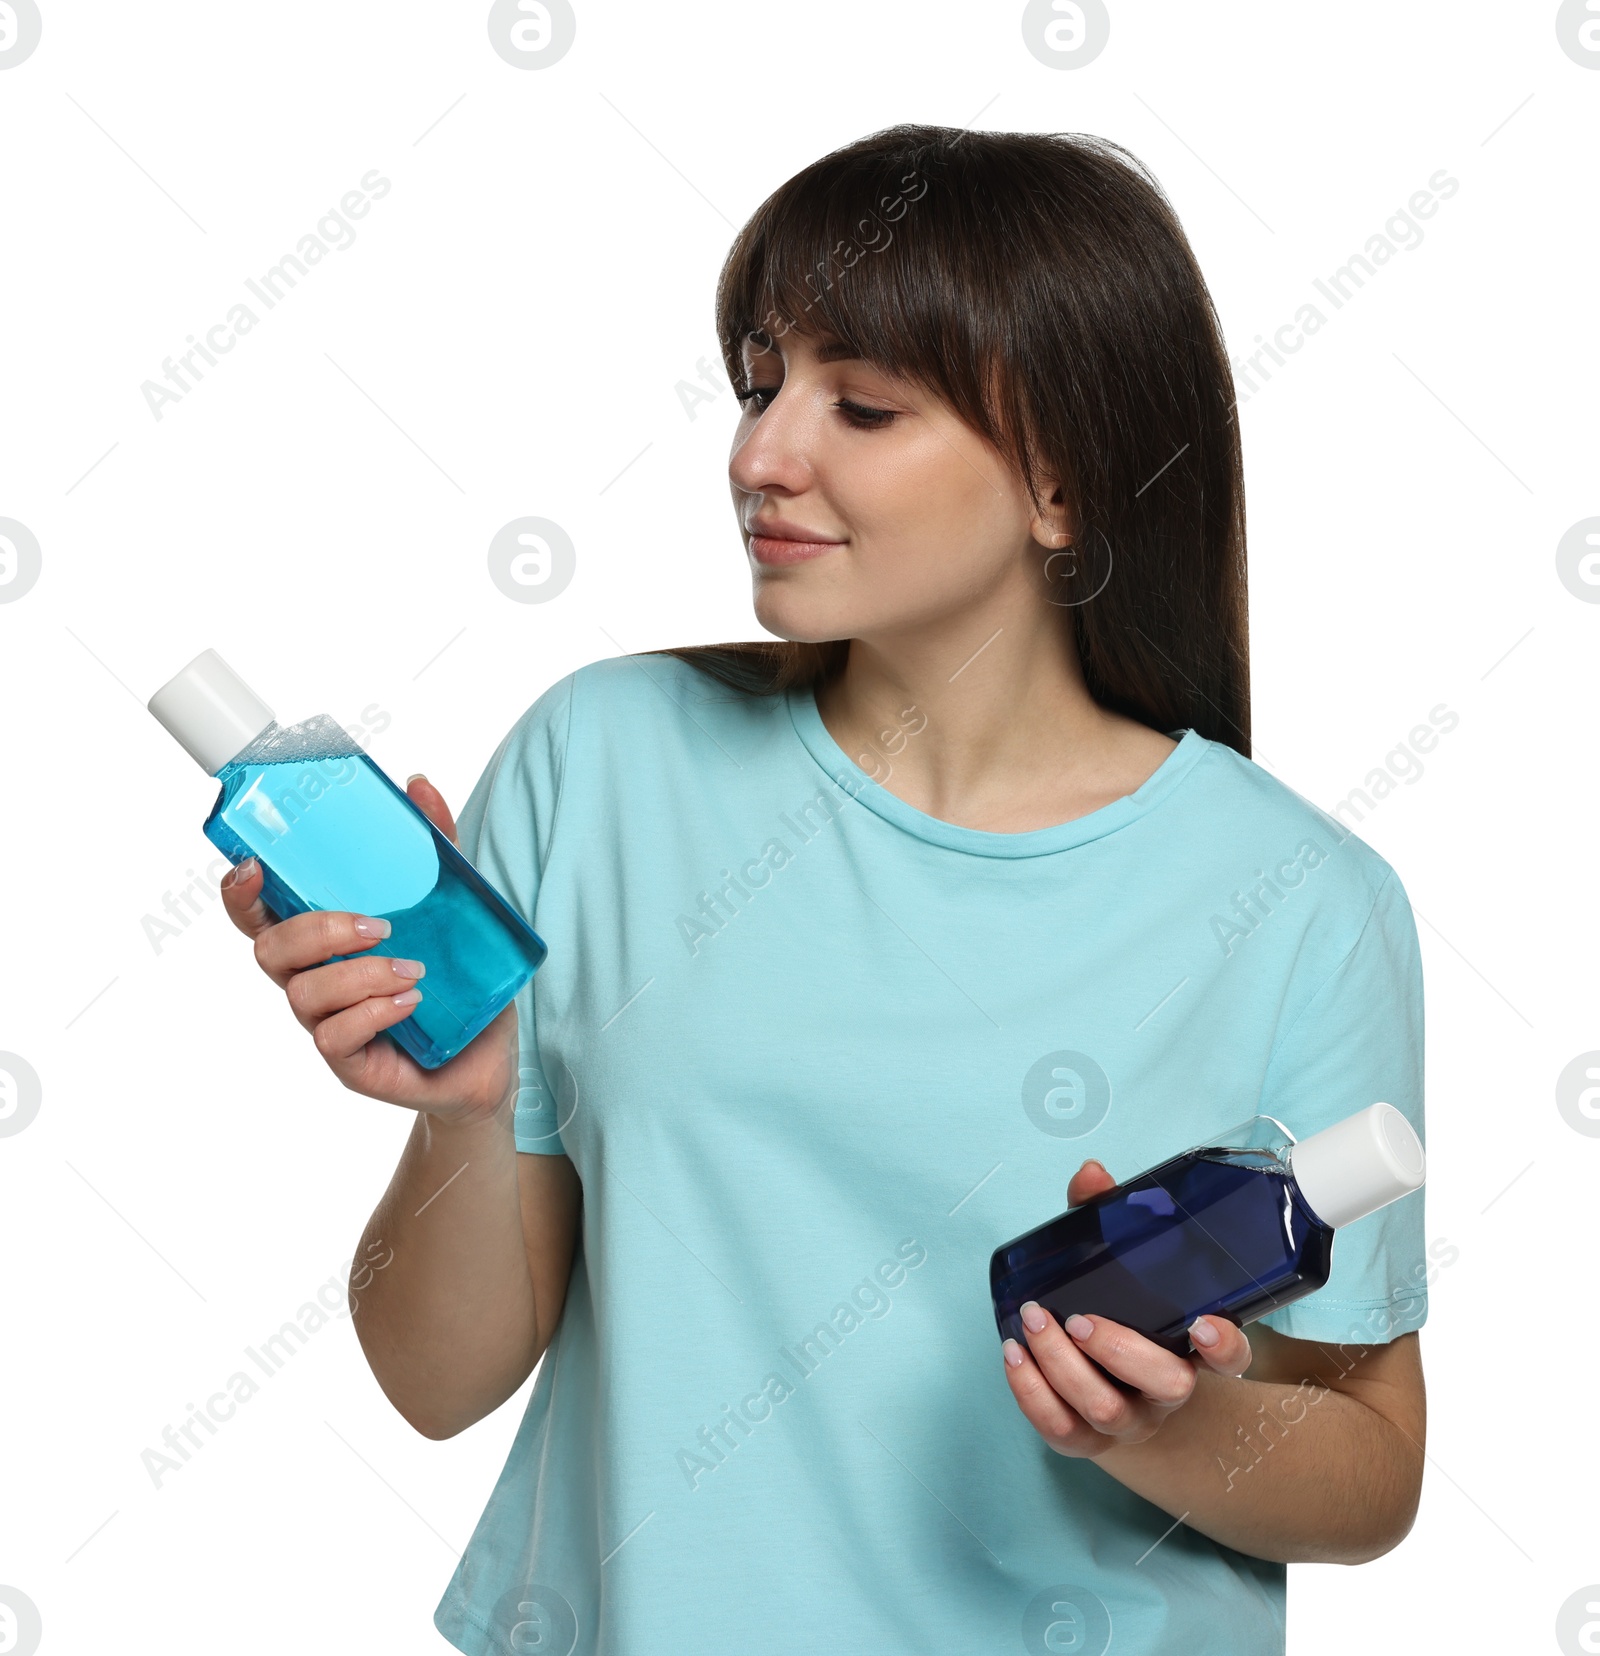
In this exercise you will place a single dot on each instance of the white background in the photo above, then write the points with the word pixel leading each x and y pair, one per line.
pixel 508 335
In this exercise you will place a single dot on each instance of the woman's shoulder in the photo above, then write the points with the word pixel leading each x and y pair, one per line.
pixel 621 740
pixel 646 708
pixel 1257 810
pixel 660 691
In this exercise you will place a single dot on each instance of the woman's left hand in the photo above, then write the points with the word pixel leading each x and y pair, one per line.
pixel 1071 1404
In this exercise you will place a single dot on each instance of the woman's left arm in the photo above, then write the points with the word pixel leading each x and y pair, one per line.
pixel 1316 1457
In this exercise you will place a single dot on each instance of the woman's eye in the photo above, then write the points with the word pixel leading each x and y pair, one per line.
pixel 857 414
pixel 862 417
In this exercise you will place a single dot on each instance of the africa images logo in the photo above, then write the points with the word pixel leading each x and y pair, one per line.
pixel 869 1298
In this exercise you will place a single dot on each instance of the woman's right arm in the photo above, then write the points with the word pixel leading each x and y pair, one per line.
pixel 481 1240
pixel 476 1241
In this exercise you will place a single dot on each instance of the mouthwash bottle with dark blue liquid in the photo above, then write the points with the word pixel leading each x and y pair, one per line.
pixel 331 831
pixel 1233 1229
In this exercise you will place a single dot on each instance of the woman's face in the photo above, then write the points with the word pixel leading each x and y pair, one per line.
pixel 906 515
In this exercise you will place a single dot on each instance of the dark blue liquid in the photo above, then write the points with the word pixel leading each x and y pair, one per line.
pixel 1211 1232
pixel 336 833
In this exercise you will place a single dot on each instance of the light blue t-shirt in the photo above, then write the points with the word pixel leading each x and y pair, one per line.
pixel 814 1055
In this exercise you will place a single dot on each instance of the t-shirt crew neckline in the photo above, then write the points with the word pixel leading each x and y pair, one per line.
pixel 981 842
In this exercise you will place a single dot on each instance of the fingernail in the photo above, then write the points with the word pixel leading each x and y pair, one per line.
pixel 240 871
pixel 1202 1333
pixel 373 928
pixel 1013 1353
pixel 1033 1317
pixel 1080 1328
pixel 1093 1163
pixel 415 776
pixel 408 968
pixel 409 998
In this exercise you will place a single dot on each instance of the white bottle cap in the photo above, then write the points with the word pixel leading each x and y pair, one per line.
pixel 1358 1165
pixel 211 711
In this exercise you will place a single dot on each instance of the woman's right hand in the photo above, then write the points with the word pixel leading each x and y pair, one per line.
pixel 345 1003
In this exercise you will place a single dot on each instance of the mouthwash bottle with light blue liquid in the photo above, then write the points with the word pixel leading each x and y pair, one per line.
pixel 332 831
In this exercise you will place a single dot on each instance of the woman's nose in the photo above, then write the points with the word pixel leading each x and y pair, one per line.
pixel 777 450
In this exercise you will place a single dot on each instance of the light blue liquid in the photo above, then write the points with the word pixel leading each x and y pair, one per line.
pixel 333 832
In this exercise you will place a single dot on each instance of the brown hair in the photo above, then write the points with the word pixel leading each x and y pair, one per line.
pixel 1041 284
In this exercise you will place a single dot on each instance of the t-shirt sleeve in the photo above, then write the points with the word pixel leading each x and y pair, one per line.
pixel 1358 1041
pixel 506 830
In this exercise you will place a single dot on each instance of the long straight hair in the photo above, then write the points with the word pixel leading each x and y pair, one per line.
pixel 1041 284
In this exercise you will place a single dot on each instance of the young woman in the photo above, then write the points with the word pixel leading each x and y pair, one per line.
pixel 860 942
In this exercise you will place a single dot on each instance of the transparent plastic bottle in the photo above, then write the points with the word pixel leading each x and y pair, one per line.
pixel 1234 1229
pixel 332 831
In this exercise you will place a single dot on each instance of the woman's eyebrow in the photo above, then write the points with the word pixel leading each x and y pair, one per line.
pixel 835 350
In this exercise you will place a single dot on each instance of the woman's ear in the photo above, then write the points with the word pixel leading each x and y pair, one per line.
pixel 1052 524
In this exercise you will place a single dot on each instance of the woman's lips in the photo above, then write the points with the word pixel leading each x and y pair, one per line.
pixel 774 549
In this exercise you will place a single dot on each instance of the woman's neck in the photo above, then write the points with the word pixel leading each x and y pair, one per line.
pixel 985 724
